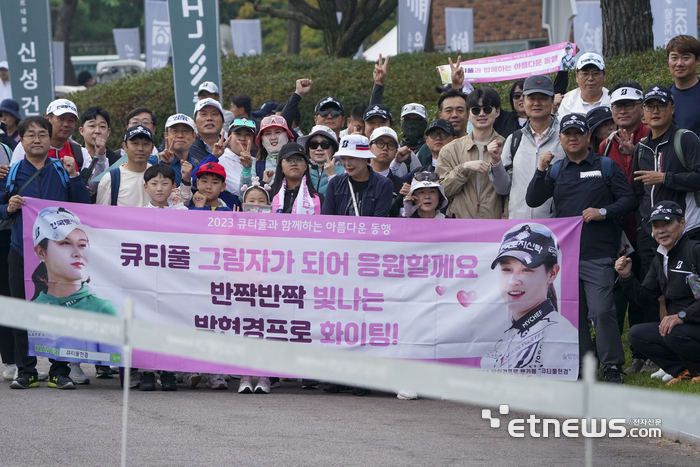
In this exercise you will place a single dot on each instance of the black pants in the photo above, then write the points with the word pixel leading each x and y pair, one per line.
pixel 627 307
pixel 646 250
pixel 7 339
pixel 678 351
pixel 26 365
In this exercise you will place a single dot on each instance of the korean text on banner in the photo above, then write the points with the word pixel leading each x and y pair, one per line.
pixel 128 43
pixel 247 36
pixel 27 29
pixel 413 24
pixel 539 61
pixel 673 17
pixel 157 29
pixel 588 27
pixel 196 55
pixel 434 290
pixel 459 29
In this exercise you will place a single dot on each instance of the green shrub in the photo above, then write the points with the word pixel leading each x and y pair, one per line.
pixel 412 78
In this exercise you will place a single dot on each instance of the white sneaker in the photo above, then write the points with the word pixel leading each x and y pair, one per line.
pixel 659 374
pixel 192 380
pixel 42 376
pixel 263 386
pixel 245 386
pixel 77 374
pixel 407 395
pixel 667 378
pixel 216 382
pixel 10 372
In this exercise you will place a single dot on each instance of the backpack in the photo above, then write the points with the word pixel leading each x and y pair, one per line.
pixel 11 188
pixel 608 144
pixel 515 140
pixel 115 178
pixel 605 162
pixel 678 149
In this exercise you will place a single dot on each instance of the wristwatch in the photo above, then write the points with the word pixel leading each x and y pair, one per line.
pixel 603 212
pixel 682 314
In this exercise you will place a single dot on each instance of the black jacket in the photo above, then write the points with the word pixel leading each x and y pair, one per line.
pixel 376 200
pixel 676 291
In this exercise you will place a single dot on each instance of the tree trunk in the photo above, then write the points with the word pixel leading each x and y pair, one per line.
pixel 293 34
pixel 66 12
pixel 627 27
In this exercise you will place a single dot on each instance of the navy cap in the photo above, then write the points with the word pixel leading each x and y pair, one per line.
pixel 135 131
pixel 378 110
pixel 665 211
pixel 268 108
pixel 574 121
pixel 596 117
pixel 441 124
pixel 531 244
pixel 659 93
pixel 538 84
pixel 11 107
pixel 329 102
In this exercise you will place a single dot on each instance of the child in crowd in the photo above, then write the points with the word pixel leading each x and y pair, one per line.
pixel 211 181
pixel 160 184
pixel 426 197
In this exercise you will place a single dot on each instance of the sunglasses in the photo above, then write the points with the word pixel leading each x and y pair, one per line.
pixel 333 113
pixel 517 95
pixel 273 120
pixel 316 144
pixel 476 110
pixel 429 176
pixel 243 122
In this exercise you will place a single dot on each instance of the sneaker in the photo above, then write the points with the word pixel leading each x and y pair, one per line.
pixel 361 392
pixel 42 376
pixel 635 366
pixel 682 376
pixel 263 386
pixel 667 378
pixel 659 374
pixel 275 382
pixel 216 382
pixel 245 386
pixel 77 374
pixel 134 378
pixel 649 367
pixel 192 380
pixel 114 369
pixel 336 388
pixel 148 382
pixel 309 384
pixel 25 382
pixel 60 382
pixel 103 371
pixel 407 395
pixel 10 372
pixel 613 376
pixel 167 381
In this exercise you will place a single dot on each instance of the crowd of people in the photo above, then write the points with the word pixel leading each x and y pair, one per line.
pixel 625 160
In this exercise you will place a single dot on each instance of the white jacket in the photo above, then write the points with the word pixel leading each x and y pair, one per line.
pixel 512 175
pixel 572 103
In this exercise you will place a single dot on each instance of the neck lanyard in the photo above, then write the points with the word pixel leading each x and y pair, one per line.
pixel 354 201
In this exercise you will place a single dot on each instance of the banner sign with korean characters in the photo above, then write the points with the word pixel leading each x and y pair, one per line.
pixel 413 24
pixel 157 30
pixel 501 295
pixel 196 56
pixel 672 18
pixel 516 65
pixel 26 26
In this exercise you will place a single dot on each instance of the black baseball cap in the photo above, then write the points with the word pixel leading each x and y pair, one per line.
pixel 665 211
pixel 292 149
pixel 329 102
pixel 378 110
pixel 574 121
pixel 659 93
pixel 533 245
pixel 538 84
pixel 441 124
pixel 135 131
pixel 596 117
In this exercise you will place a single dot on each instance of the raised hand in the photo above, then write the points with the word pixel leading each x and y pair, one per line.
pixel 380 70
pixel 623 266
pixel 403 153
pixel 545 159
pixel 303 86
pixel 267 176
pixel 199 200
pixel 220 146
pixel 626 142
pixel 457 72
pixel 69 165
pixel 495 149
pixel 100 143
pixel 167 155
pixel 245 158
pixel 405 189
pixel 186 170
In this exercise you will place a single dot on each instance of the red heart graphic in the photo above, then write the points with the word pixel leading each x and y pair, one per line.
pixel 466 298
pixel 440 289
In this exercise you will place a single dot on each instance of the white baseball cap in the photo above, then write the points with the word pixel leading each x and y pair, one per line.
pixel 384 131
pixel 209 87
pixel 180 118
pixel 413 108
pixel 354 146
pixel 408 206
pixel 56 224
pixel 205 102
pixel 590 58
pixel 3 64
pixel 62 106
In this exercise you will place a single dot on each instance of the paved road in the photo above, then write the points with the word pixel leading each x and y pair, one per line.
pixel 291 427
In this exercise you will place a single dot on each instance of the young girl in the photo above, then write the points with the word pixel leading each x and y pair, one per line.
pixel 292 191
pixel 539 338
pixel 426 197
pixel 274 133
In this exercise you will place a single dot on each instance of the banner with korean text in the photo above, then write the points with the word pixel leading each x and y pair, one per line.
pixel 516 65
pixel 26 26
pixel 157 31
pixel 413 18
pixel 128 43
pixel 196 56
pixel 500 295
pixel 672 18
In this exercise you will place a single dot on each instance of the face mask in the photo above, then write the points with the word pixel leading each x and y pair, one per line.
pixel 282 139
pixel 413 130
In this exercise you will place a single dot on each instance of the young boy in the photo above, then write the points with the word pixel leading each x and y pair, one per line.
pixel 211 181
pixel 160 183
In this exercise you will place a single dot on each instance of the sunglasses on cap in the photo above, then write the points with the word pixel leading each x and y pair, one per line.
pixel 476 110
pixel 426 176
pixel 273 120
pixel 333 113
pixel 316 144
pixel 242 122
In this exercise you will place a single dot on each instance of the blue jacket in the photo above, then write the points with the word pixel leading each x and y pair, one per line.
pixel 49 181
pixel 227 197
pixel 376 200
pixel 319 178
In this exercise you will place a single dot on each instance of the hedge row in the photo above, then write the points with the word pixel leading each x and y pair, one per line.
pixel 412 78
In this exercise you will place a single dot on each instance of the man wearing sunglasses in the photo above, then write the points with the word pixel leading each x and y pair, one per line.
pixel 590 77
pixel 463 165
pixel 331 113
